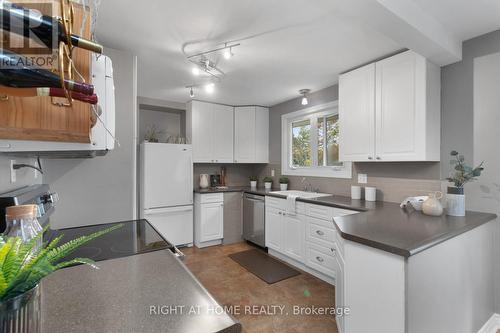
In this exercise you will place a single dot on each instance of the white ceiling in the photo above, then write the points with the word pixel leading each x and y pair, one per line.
pixel 464 18
pixel 286 45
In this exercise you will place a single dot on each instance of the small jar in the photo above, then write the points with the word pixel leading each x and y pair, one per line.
pixel 22 222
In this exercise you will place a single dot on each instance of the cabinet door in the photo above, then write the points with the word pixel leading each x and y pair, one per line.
pixel 357 114
pixel 400 113
pixel 274 229
pixel 261 135
pixel 211 221
pixel 244 134
pixel 294 235
pixel 222 133
pixel 201 132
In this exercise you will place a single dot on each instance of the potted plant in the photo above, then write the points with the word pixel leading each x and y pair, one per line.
pixel 153 134
pixel 253 181
pixel 284 183
pixel 268 183
pixel 461 175
pixel 23 265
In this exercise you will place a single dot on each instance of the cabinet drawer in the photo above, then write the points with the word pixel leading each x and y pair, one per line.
pixel 320 212
pixel 321 259
pixel 320 232
pixel 277 203
pixel 211 197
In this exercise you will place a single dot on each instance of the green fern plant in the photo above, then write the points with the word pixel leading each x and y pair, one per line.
pixel 22 265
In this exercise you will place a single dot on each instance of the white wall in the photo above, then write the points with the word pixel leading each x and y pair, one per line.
pixel 102 189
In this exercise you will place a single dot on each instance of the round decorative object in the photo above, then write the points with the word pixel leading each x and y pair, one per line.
pixel 432 206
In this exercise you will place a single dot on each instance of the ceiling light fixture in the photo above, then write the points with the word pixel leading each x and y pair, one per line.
pixel 304 93
pixel 209 88
pixel 195 71
pixel 228 52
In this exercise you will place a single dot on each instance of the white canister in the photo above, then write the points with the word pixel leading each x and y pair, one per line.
pixel 455 204
pixel 268 185
pixel 203 180
pixel 253 183
pixel 370 193
pixel 283 187
pixel 355 192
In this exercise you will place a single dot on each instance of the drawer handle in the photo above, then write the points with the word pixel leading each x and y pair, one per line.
pixel 319 232
pixel 318 258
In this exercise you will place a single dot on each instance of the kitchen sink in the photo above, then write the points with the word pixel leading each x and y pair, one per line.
pixel 302 194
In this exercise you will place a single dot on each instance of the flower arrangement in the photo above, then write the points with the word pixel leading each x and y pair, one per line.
pixel 24 264
pixel 463 173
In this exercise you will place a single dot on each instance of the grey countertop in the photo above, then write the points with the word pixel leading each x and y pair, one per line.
pixel 120 296
pixel 385 226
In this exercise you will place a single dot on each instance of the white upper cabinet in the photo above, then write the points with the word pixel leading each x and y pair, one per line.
pixel 390 111
pixel 209 127
pixel 357 114
pixel 222 133
pixel 251 134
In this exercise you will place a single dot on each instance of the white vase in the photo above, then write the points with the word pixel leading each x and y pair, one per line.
pixel 283 187
pixel 432 206
pixel 455 204
pixel 203 180
pixel 253 183
pixel 268 185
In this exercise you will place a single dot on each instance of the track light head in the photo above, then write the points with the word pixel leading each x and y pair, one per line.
pixel 191 92
pixel 209 88
pixel 228 53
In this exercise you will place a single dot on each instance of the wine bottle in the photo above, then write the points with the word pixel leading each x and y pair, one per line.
pixel 14 72
pixel 16 18
pixel 46 91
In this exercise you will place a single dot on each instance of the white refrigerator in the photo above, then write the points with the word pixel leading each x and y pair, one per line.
pixel 167 190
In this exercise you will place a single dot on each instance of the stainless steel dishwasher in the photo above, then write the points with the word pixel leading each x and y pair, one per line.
pixel 254 219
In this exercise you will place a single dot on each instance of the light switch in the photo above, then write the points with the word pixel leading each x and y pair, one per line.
pixel 362 178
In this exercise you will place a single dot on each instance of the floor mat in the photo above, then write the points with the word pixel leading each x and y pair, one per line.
pixel 264 266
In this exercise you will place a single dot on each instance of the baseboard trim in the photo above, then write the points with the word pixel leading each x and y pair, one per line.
pixel 492 325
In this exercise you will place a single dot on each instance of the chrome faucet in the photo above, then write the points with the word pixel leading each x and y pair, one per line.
pixel 308 186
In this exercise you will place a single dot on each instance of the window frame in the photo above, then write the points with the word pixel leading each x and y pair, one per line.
pixel 312 113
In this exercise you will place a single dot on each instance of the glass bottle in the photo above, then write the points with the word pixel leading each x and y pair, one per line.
pixel 22 222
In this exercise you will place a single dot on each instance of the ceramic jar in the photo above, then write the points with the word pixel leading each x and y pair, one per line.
pixel 283 187
pixel 432 206
pixel 204 180
pixel 253 183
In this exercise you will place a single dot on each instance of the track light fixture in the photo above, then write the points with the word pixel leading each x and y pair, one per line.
pixel 304 93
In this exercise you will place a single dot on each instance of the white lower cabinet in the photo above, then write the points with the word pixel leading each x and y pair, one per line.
pixel 293 232
pixel 274 229
pixel 309 241
pixel 209 219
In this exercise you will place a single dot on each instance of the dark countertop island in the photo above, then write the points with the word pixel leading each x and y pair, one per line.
pixel 144 292
pixel 384 225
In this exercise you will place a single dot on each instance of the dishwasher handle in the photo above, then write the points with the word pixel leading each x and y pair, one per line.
pixel 253 197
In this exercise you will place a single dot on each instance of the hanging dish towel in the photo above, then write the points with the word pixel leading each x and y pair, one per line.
pixel 291 204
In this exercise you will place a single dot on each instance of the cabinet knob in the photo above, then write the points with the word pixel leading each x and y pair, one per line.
pixel 378 158
pixel 319 232
pixel 318 258
pixel 370 158
pixel 279 213
pixel 333 250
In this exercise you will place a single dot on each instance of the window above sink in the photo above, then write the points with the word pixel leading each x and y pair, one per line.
pixel 310 145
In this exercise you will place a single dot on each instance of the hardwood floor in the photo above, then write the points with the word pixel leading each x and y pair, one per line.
pixel 232 285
